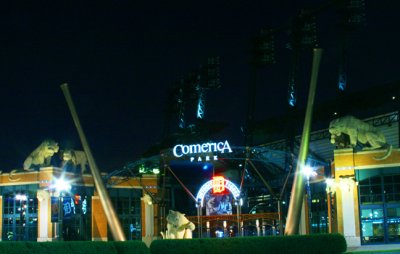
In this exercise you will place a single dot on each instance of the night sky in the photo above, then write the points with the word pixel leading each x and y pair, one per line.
pixel 121 57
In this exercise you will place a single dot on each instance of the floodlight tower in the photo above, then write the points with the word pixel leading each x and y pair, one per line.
pixel 180 97
pixel 207 79
pixel 193 87
pixel 353 16
pixel 263 55
pixel 264 48
pixel 181 106
pixel 302 35
pixel 175 106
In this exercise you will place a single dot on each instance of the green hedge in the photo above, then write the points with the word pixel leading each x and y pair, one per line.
pixel 297 244
pixel 308 244
pixel 13 247
pixel 75 247
pixel 137 247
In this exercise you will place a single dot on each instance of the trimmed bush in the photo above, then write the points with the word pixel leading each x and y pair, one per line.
pixel 296 244
pixel 74 247
pixel 78 247
pixel 13 247
pixel 54 247
pixel 137 247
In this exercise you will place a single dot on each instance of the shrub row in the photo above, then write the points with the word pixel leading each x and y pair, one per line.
pixel 297 244
pixel 75 247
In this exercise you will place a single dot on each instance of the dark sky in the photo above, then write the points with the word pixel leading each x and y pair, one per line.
pixel 121 57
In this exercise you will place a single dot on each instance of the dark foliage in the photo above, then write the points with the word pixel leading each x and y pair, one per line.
pixel 307 244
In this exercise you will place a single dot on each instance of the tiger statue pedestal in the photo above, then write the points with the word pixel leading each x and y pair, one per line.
pixel 178 226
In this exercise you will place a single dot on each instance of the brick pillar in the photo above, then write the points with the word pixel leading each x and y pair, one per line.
pixel 347 207
pixel 99 221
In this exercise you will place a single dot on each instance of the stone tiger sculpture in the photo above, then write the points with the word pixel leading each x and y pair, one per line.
pixel 178 226
pixel 77 158
pixel 358 131
pixel 41 156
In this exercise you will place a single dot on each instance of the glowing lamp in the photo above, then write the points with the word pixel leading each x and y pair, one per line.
pixel 308 171
pixel 62 185
pixel 21 197
pixel 330 185
pixel 329 182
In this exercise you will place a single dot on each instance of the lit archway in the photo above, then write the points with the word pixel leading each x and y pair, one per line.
pixel 209 185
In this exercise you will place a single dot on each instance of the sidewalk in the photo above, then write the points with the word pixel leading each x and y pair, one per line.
pixel 383 247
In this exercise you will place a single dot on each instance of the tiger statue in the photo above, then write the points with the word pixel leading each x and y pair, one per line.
pixel 77 158
pixel 178 226
pixel 41 156
pixel 358 131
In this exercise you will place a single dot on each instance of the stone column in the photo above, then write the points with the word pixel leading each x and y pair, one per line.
pixel 44 216
pixel 258 227
pixel 347 189
pixel 148 219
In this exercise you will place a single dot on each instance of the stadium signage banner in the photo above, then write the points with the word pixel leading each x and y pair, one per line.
pixel 202 152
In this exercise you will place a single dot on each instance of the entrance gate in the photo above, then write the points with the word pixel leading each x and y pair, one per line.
pixel 260 224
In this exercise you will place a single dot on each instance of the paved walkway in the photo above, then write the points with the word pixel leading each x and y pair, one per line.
pixel 394 247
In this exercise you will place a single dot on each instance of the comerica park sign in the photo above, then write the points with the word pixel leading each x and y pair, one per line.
pixel 202 152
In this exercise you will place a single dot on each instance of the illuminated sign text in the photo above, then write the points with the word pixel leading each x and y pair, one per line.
pixel 221 147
